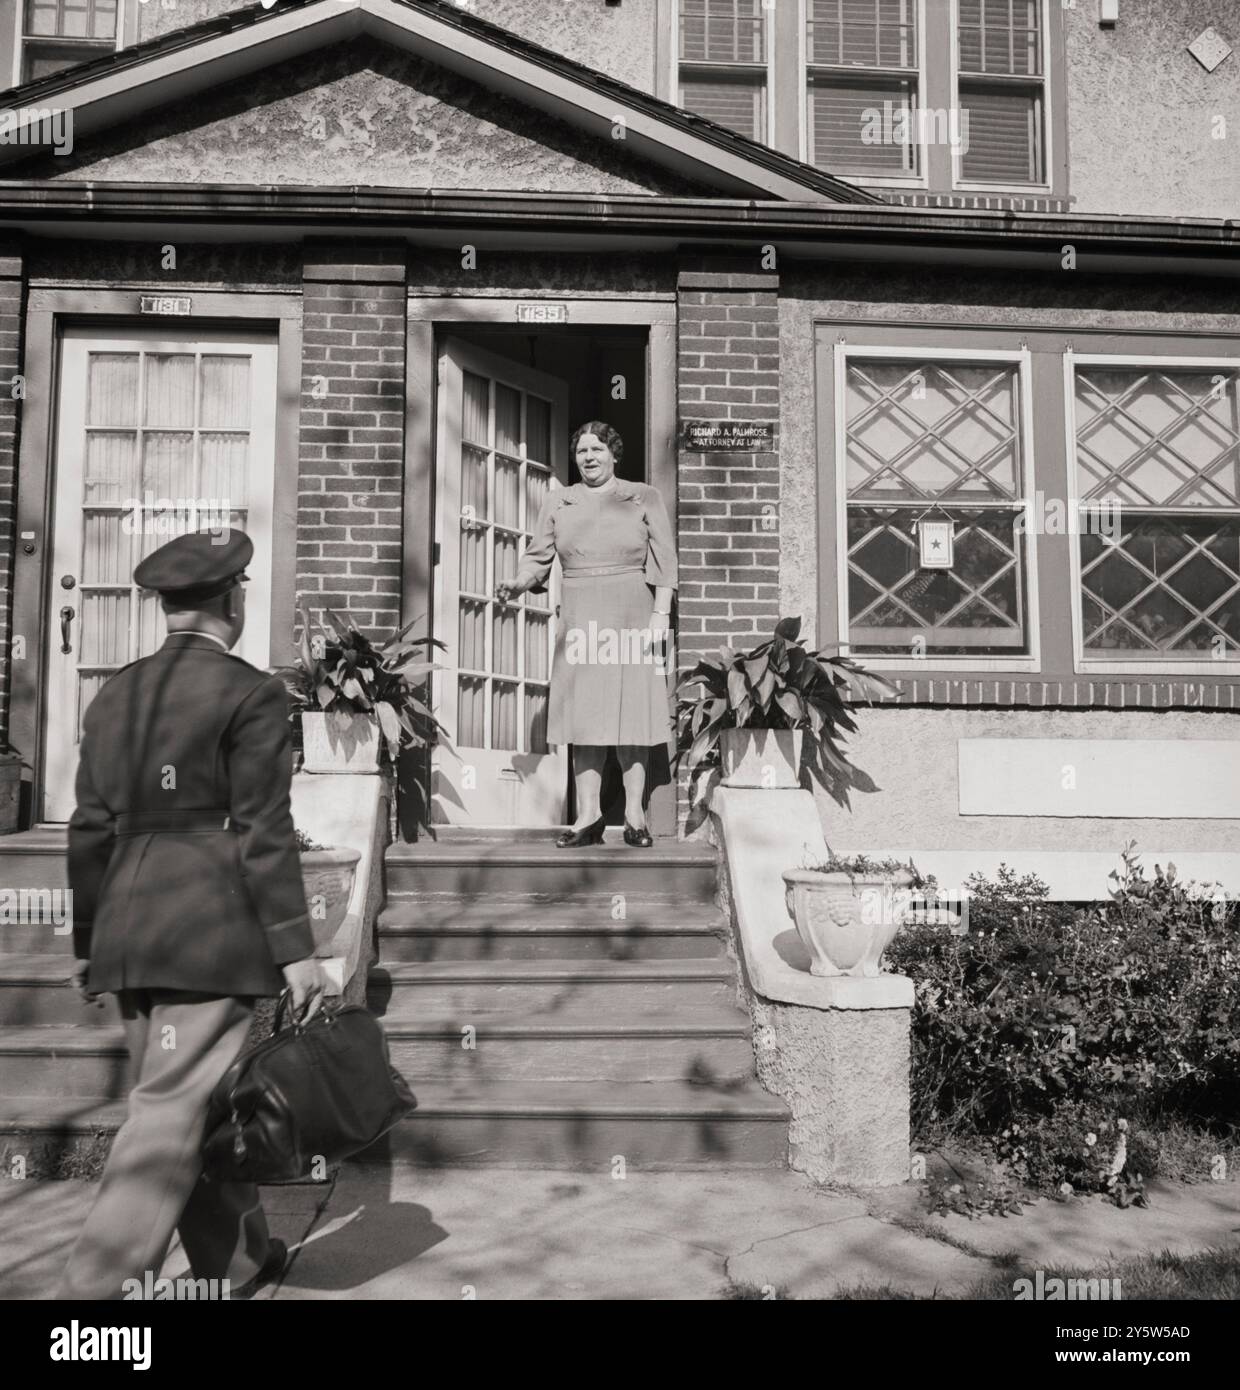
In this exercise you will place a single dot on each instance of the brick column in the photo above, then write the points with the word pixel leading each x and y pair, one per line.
pixel 12 314
pixel 352 430
pixel 728 313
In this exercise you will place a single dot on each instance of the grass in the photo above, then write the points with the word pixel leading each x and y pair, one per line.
pixel 1206 1275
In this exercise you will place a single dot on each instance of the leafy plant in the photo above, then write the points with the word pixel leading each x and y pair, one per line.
pixel 778 685
pixel 305 845
pixel 339 670
pixel 1048 1023
pixel 862 866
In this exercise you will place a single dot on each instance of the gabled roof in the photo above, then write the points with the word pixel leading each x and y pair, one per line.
pixel 177 65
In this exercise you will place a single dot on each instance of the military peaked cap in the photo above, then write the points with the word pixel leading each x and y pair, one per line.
pixel 198 566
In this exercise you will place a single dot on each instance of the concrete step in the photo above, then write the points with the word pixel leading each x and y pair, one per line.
pixel 34 859
pixel 687 984
pixel 572 1047
pixel 582 1045
pixel 34 990
pixel 565 1125
pixel 64 1060
pixel 481 871
pixel 406 934
pixel 33 938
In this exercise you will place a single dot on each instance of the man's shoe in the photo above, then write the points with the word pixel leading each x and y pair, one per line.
pixel 273 1267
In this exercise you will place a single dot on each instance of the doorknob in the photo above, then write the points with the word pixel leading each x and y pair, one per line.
pixel 66 617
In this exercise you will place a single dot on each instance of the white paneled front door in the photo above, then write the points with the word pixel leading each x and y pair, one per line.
pixel 156 435
pixel 502 445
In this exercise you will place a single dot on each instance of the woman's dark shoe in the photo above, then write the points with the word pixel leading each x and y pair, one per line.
pixel 591 834
pixel 639 839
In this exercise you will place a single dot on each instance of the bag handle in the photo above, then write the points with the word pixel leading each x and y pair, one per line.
pixel 284 1005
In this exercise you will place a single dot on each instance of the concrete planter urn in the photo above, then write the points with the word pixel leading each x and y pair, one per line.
pixel 767 758
pixel 328 878
pixel 339 742
pixel 846 921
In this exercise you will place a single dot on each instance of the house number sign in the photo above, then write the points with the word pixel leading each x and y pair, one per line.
pixel 165 304
pixel 542 313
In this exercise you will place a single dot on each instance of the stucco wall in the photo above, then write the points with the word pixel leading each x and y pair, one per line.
pixel 1144 116
pixel 966 296
pixel 157 17
pixel 208 265
pixel 361 113
pixel 616 39
pixel 912 756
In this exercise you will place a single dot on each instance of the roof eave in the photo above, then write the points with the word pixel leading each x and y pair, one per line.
pixel 94 206
pixel 111 90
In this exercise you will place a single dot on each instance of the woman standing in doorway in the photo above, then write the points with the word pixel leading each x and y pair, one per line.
pixel 608 681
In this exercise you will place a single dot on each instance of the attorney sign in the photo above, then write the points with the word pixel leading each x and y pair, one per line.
pixel 728 436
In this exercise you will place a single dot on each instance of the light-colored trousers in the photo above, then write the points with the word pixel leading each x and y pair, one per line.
pixel 180 1044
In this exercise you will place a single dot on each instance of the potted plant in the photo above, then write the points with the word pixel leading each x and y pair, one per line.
pixel 328 877
pixel 358 703
pixel 848 910
pixel 747 715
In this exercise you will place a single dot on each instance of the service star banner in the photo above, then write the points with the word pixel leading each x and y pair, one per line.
pixel 936 544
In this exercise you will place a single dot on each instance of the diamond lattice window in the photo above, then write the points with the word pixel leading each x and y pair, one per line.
pixel 1158 452
pixel 938 439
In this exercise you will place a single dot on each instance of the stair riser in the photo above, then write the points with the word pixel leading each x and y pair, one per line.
pixel 98 1076
pixel 463 945
pixel 676 1000
pixel 582 1143
pixel 491 883
pixel 570 1059
pixel 34 939
pixel 28 1005
pixel 573 1143
pixel 25 869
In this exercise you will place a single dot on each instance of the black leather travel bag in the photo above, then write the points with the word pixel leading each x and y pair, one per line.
pixel 311 1095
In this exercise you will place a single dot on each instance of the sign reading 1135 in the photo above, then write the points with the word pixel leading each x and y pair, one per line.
pixel 542 313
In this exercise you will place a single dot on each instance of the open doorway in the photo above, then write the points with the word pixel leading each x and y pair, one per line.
pixel 493 381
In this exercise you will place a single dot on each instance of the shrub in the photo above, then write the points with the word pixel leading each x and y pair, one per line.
pixel 1048 1021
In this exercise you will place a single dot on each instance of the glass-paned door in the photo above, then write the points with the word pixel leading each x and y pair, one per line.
pixel 502 448
pixel 156 435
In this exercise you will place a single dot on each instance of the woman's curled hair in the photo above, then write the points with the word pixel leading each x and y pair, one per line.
pixel 604 431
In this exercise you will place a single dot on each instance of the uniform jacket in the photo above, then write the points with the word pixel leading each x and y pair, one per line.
pixel 188 728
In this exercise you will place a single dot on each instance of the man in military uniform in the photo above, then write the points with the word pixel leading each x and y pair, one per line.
pixel 188 905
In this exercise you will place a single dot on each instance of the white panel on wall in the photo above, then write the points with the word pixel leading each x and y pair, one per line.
pixel 1166 779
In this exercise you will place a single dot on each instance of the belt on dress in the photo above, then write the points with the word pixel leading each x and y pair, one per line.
pixel 601 569
pixel 168 822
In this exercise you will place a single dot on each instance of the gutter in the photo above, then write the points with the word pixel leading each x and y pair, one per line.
pixel 89 206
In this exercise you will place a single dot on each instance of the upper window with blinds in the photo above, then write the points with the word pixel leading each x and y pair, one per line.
pixel 57 34
pixel 723 63
pixel 1001 90
pixel 863 71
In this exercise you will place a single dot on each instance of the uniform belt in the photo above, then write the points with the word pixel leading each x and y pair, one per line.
pixel 602 569
pixel 168 822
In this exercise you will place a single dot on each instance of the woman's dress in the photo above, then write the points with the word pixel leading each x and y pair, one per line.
pixel 609 680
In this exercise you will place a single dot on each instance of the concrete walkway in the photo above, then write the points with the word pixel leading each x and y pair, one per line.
pixel 500 1234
